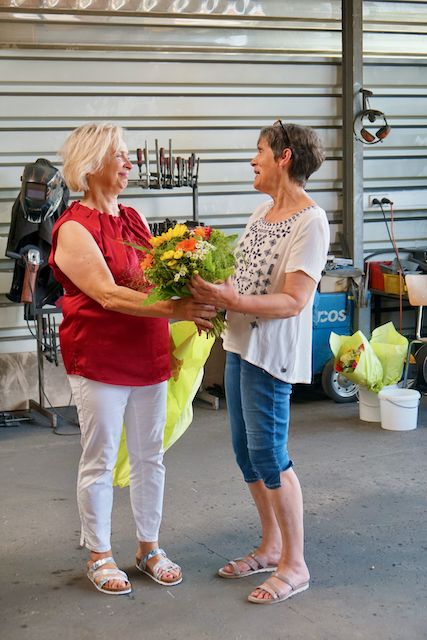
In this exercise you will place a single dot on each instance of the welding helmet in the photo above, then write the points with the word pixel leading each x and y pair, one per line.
pixel 41 191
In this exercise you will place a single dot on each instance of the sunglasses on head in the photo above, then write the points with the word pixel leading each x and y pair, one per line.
pixel 285 135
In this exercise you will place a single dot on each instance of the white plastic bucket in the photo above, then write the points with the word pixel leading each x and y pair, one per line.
pixel 399 409
pixel 369 405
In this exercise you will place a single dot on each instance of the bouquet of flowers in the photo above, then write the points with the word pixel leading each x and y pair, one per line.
pixel 374 364
pixel 356 360
pixel 349 360
pixel 181 253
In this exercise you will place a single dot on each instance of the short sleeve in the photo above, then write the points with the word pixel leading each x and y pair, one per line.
pixel 310 246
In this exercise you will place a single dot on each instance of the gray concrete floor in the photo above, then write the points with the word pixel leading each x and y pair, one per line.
pixel 366 542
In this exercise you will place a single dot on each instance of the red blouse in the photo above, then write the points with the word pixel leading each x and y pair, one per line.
pixel 103 345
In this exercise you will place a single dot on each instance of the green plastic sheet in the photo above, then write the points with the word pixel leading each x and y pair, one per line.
pixel 382 360
pixel 193 350
pixel 391 348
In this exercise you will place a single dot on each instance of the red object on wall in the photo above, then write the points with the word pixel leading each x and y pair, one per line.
pixel 376 276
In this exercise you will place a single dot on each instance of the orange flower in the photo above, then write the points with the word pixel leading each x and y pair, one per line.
pixel 147 261
pixel 187 245
pixel 200 231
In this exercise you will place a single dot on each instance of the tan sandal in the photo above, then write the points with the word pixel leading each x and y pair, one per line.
pixel 254 562
pixel 162 566
pixel 276 595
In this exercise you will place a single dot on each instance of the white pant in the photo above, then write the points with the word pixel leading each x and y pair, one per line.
pixel 102 410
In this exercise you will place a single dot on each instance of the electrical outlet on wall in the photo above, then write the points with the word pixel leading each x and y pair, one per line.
pixel 377 196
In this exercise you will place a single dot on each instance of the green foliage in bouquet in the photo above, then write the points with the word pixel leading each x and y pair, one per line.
pixel 181 253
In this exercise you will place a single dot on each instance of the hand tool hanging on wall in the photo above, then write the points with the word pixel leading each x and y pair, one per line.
pixel 147 167
pixel 139 162
pixel 170 165
pixel 179 169
pixel 196 173
pixel 158 184
pixel 162 162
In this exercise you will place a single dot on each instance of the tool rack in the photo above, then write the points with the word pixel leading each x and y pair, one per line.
pixel 171 172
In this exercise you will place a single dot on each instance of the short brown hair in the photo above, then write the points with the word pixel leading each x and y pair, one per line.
pixel 307 149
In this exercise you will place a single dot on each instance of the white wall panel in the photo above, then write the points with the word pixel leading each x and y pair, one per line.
pixel 209 81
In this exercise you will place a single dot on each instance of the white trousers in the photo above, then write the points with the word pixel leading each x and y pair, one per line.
pixel 102 409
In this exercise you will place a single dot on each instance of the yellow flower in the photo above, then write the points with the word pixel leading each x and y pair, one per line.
pixel 167 255
pixel 156 241
pixel 178 230
pixel 171 263
pixel 178 254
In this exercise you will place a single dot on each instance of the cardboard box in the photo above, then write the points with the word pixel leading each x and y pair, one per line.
pixel 333 284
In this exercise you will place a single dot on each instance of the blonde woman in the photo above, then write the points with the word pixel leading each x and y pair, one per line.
pixel 115 351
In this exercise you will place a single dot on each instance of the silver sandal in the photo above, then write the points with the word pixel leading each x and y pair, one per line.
pixel 99 577
pixel 160 568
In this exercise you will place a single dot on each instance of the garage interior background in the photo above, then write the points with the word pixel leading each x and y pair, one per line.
pixel 208 74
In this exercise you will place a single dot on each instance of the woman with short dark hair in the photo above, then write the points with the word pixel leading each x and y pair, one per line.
pixel 280 258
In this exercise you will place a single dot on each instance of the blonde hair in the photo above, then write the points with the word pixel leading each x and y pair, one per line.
pixel 85 150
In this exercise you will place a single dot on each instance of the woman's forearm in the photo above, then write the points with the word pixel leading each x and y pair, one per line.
pixel 297 289
pixel 125 300
pixel 271 305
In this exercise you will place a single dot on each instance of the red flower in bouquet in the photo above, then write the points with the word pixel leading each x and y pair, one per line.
pixel 349 359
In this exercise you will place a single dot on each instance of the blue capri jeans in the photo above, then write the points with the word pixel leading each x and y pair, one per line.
pixel 258 408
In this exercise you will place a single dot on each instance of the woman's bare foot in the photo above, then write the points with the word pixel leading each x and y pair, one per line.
pixel 282 588
pixel 255 562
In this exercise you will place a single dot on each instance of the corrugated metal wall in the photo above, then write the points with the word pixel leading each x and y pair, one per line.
pixel 209 74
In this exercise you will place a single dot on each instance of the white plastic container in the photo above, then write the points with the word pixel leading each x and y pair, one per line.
pixel 399 408
pixel 369 405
